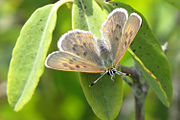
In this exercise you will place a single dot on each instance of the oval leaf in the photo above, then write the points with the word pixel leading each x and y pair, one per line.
pixel 105 97
pixel 29 54
pixel 151 59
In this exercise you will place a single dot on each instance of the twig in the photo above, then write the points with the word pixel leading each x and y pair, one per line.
pixel 140 89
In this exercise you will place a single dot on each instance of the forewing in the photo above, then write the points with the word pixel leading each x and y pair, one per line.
pixel 112 29
pixel 67 62
pixel 81 43
pixel 129 32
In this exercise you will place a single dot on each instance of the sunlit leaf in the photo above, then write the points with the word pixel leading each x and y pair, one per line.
pixel 29 54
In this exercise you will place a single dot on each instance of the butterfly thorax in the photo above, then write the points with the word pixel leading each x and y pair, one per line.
pixel 112 72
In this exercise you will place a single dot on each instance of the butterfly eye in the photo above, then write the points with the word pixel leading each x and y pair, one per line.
pixel 114 71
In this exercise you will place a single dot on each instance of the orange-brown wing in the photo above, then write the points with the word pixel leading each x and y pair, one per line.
pixel 68 62
pixel 129 32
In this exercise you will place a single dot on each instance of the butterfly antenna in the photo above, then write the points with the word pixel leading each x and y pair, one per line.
pixel 97 79
pixel 123 74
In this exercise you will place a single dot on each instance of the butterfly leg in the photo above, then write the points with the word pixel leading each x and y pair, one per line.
pixel 112 77
pixel 122 73
pixel 111 73
pixel 124 76
pixel 97 79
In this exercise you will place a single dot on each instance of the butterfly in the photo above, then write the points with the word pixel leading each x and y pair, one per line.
pixel 81 51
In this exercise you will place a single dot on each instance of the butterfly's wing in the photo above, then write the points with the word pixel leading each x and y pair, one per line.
pixel 112 29
pixel 119 31
pixel 68 62
pixel 129 32
pixel 82 44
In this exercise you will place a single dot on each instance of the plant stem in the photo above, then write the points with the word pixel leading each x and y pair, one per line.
pixel 140 89
pixel 139 107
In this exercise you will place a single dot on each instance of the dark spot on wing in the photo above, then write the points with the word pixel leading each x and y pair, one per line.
pixel 129 41
pixel 84 66
pixel 126 35
pixel 71 68
pixel 116 38
pixel 118 26
pixel 77 66
pixel 101 47
pixel 74 47
pixel 84 44
pixel 77 53
pixel 74 59
pixel 40 19
pixel 85 53
pixel 70 61
pixel 116 4
pixel 130 34
pixel 125 43
pixel 65 64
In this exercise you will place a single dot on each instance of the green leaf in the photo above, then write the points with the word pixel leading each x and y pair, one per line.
pixel 29 54
pixel 175 3
pixel 105 97
pixel 151 59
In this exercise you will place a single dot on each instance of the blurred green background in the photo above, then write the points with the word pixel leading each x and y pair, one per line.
pixel 59 95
